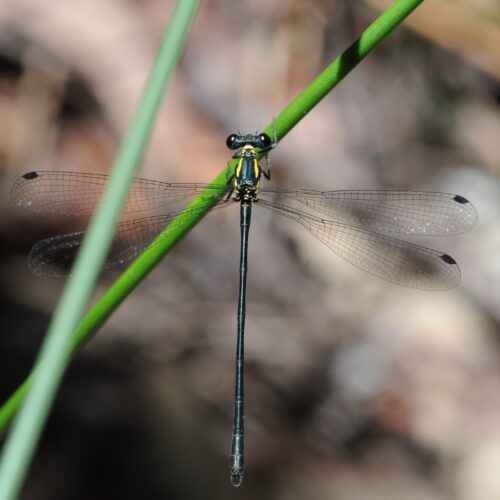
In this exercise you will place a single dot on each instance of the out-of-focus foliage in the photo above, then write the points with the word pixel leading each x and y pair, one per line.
pixel 355 387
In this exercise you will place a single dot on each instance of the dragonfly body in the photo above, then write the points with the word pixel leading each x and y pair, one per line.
pixel 248 172
pixel 351 223
pixel 247 176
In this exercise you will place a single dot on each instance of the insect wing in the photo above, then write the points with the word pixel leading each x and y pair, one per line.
pixel 393 260
pixel 54 257
pixel 408 212
pixel 77 193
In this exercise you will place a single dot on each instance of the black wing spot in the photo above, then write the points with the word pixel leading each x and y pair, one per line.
pixel 30 175
pixel 448 259
pixel 460 199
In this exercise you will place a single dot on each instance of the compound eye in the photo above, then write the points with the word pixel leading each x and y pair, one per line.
pixel 230 141
pixel 265 140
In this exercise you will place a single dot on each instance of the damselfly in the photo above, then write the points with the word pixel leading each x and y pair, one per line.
pixel 354 229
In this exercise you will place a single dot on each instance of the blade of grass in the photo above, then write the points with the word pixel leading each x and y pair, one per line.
pixel 56 349
pixel 295 111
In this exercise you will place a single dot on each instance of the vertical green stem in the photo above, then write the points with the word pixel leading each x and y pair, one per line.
pixel 56 349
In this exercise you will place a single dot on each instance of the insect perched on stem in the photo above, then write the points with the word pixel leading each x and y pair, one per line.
pixel 354 228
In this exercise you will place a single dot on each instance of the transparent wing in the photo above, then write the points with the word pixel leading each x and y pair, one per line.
pixel 77 193
pixel 409 212
pixel 388 258
pixel 54 257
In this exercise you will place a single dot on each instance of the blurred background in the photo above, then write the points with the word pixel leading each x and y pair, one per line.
pixel 356 388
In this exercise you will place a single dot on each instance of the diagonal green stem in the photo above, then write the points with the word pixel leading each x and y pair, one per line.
pixel 57 347
pixel 341 66
pixel 295 111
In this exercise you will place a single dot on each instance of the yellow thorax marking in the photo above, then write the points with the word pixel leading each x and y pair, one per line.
pixel 256 168
pixel 248 150
pixel 238 168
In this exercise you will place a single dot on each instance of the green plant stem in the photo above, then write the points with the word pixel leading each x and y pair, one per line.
pixel 56 349
pixel 339 68
pixel 295 111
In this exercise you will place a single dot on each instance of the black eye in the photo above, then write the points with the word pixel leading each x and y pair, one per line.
pixel 265 140
pixel 231 140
